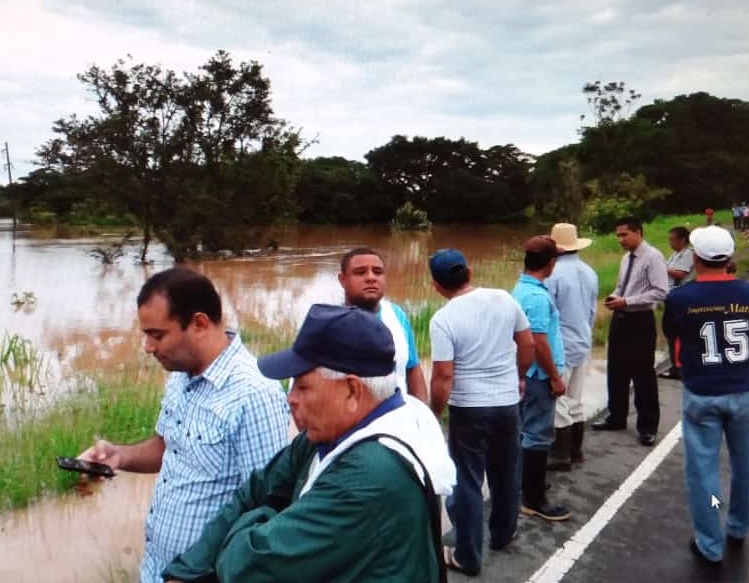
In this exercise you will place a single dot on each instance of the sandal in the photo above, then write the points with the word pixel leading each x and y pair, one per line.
pixel 448 555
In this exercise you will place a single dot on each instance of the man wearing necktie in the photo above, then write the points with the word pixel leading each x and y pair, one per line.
pixel 642 283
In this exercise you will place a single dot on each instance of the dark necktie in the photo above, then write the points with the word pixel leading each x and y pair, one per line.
pixel 626 275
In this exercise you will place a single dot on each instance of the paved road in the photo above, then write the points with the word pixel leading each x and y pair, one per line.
pixel 645 540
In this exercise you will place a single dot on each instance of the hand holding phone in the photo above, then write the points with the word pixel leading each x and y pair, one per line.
pixel 102 452
pixel 72 464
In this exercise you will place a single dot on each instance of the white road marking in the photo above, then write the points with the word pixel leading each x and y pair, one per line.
pixel 563 560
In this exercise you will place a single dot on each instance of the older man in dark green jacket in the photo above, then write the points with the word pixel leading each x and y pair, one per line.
pixel 350 499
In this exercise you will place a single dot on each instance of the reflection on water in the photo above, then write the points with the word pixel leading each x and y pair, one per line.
pixel 85 319
pixel 78 538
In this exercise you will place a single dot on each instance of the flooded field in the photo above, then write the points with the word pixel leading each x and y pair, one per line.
pixel 81 317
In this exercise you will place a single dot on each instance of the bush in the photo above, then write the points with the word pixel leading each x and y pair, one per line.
pixel 601 214
pixel 42 216
pixel 409 218
pixel 612 200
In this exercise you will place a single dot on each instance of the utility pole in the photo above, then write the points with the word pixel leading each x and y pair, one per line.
pixel 10 181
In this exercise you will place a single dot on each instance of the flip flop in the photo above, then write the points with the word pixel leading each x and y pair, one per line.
pixel 448 555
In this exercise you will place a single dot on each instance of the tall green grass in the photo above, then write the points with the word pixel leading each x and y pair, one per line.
pixel 120 409
pixel 22 367
pixel 261 339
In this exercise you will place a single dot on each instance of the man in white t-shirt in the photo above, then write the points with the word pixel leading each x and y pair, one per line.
pixel 482 347
pixel 362 278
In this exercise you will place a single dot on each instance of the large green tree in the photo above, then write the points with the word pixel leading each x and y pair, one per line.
pixel 453 180
pixel 687 153
pixel 334 190
pixel 183 153
pixel 700 151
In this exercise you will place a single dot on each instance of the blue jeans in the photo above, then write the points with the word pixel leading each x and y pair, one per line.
pixel 483 439
pixel 537 414
pixel 704 421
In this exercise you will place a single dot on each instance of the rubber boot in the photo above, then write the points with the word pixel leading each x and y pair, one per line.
pixel 559 454
pixel 576 445
pixel 534 488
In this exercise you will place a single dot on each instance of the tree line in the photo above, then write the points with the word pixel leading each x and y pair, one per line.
pixel 201 162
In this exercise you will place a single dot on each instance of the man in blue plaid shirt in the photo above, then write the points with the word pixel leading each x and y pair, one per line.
pixel 220 417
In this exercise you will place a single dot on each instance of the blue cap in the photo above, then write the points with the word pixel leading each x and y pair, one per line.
pixel 446 266
pixel 346 339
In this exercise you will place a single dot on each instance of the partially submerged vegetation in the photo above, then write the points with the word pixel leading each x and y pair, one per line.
pixel 119 407
pixel 22 368
pixel 24 299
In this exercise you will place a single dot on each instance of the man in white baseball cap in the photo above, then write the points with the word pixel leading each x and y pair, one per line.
pixel 709 321
pixel 712 243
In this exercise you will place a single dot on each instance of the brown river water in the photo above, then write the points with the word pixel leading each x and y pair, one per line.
pixel 84 318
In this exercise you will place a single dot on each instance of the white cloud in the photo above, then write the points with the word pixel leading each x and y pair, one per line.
pixel 356 73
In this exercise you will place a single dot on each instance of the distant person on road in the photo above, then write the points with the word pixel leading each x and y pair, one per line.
pixel 679 266
pixel 481 348
pixel 736 214
pixel 573 286
pixel 363 280
pixel 354 497
pixel 642 283
pixel 543 381
pixel 219 420
pixel 709 320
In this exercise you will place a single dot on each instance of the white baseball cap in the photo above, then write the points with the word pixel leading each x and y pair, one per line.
pixel 712 243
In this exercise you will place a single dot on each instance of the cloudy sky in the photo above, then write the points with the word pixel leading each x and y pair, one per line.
pixel 355 72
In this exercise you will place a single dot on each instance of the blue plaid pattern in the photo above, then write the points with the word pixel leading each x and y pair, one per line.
pixel 217 427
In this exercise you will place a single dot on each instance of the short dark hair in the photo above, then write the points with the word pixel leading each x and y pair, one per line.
pixel 187 292
pixel 536 261
pixel 346 259
pixel 632 223
pixel 539 252
pixel 713 264
pixel 681 233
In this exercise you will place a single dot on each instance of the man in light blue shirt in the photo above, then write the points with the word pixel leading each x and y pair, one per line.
pixel 220 417
pixel 573 286
pixel 543 383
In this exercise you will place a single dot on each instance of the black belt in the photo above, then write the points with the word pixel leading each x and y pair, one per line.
pixel 622 315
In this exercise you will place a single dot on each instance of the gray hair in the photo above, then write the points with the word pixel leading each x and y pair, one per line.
pixel 380 387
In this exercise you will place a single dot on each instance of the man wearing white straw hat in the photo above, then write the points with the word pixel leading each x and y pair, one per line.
pixel 573 286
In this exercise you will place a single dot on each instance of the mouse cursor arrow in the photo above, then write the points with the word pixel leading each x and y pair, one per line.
pixel 714 502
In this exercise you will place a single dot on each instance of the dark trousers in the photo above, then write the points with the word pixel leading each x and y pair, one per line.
pixel 672 355
pixel 483 439
pixel 631 355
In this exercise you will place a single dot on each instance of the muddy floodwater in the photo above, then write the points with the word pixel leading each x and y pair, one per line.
pixel 84 318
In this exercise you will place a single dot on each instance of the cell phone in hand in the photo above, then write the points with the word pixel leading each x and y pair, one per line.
pixel 72 464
